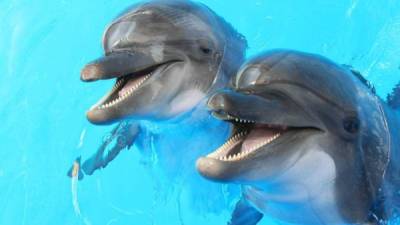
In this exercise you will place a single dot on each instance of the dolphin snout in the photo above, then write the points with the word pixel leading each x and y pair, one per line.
pixel 89 72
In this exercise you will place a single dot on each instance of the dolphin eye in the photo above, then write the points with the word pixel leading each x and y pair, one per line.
pixel 351 125
pixel 205 50
pixel 205 46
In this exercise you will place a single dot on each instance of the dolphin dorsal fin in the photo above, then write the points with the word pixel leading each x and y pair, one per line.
pixel 393 99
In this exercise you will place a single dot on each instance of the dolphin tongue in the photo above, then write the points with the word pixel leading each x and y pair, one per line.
pixel 257 136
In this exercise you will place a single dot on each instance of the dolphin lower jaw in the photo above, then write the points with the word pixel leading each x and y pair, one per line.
pixel 125 88
pixel 246 139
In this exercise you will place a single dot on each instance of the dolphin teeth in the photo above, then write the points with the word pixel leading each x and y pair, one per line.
pixel 239 120
pixel 127 94
pixel 118 84
pixel 221 152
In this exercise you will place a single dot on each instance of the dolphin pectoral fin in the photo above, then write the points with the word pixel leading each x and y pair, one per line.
pixel 92 164
pixel 124 141
pixel 124 134
pixel 245 214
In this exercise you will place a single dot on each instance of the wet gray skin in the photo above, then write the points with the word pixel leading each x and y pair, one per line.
pixel 165 56
pixel 312 143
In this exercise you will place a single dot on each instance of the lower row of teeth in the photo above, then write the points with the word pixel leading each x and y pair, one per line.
pixel 225 147
pixel 127 94
pixel 241 155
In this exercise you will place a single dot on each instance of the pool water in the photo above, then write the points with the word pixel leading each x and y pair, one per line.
pixel 43 46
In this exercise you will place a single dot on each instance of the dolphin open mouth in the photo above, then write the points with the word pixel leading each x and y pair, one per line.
pixel 125 86
pixel 247 138
pixel 263 131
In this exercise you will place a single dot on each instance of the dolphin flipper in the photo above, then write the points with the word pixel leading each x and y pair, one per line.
pixel 124 133
pixel 245 214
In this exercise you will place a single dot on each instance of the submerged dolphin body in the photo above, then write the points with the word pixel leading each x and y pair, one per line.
pixel 165 57
pixel 312 143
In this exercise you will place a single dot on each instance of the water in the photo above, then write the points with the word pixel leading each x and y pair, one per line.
pixel 43 46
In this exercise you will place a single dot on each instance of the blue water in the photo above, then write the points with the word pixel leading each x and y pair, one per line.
pixel 43 46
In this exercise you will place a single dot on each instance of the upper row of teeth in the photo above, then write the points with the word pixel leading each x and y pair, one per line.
pixel 118 84
pixel 242 155
pixel 225 147
pixel 240 120
pixel 127 94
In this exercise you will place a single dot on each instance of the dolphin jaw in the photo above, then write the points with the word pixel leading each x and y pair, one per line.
pixel 222 153
pixel 125 87
pixel 107 103
pixel 237 148
pixel 112 98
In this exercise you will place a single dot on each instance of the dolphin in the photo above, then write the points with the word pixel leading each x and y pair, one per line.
pixel 311 144
pixel 165 58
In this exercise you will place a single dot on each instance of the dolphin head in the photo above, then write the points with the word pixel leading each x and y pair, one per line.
pixel 286 104
pixel 165 56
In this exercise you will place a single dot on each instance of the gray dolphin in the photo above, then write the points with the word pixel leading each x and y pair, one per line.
pixel 165 57
pixel 312 143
